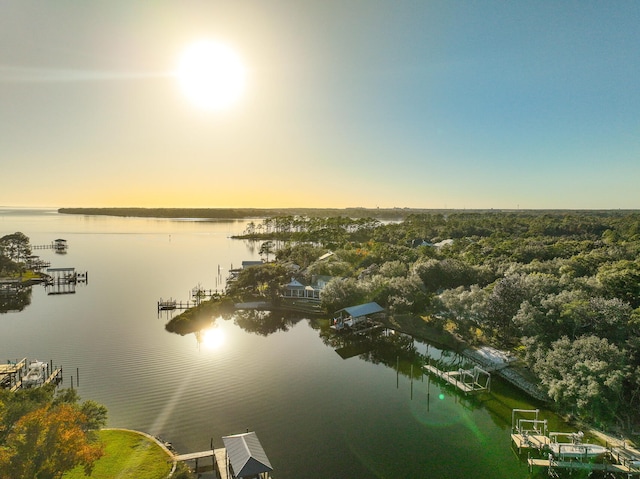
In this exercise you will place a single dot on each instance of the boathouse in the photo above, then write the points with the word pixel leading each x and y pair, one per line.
pixel 245 457
pixel 356 314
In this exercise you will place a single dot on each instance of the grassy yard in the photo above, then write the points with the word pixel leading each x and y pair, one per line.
pixel 128 455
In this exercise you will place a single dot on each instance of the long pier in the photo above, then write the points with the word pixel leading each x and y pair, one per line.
pixel 197 294
pixel 172 304
pixel 59 246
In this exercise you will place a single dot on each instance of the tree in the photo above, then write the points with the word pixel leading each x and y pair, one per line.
pixel 392 269
pixel 504 302
pixel 15 246
pixel 262 280
pixel 586 374
pixel 340 293
pixel 464 306
pixel 43 435
pixel 46 442
pixel 266 249
pixel 14 249
pixel 448 273
pixel 621 280
pixel 302 254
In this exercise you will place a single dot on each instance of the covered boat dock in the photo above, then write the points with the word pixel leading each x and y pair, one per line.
pixel 245 457
pixel 241 457
pixel 355 314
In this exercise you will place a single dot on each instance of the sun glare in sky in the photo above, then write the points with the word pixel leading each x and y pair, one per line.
pixel 211 75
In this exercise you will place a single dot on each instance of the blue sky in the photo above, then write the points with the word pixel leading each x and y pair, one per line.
pixel 426 104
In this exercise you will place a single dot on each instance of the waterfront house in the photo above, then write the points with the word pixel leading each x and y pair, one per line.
pixel 311 292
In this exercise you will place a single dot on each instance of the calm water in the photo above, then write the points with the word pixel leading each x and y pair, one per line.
pixel 317 415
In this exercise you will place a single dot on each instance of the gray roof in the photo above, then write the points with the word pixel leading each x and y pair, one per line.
pixel 295 284
pixel 246 454
pixel 362 309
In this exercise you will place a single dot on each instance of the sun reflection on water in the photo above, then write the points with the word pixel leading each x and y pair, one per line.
pixel 212 338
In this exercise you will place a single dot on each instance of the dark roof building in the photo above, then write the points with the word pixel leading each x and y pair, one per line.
pixel 246 456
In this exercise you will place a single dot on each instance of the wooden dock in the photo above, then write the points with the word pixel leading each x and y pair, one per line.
pixel 530 441
pixel 171 305
pixel 217 455
pixel 198 295
pixel 55 377
pixel 10 373
pixel 58 247
pixel 454 378
pixel 588 466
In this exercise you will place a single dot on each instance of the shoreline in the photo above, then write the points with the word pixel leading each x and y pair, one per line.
pixel 170 454
pixel 502 364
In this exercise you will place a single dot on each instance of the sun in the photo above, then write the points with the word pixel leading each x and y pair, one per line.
pixel 211 75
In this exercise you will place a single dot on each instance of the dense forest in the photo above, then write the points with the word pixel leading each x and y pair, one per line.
pixel 559 289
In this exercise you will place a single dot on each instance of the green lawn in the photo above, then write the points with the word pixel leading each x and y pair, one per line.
pixel 128 455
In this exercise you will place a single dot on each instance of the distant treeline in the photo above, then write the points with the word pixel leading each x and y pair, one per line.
pixel 240 213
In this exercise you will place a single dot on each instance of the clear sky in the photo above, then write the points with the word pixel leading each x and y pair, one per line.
pixel 425 104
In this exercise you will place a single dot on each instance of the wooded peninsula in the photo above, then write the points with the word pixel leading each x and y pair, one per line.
pixel 559 289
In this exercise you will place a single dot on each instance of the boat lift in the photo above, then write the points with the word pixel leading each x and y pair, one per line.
pixel 527 430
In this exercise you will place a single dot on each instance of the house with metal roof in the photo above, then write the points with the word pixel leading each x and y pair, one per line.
pixel 245 457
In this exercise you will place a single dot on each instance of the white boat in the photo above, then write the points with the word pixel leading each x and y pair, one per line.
pixel 563 449
pixel 574 449
pixel 36 374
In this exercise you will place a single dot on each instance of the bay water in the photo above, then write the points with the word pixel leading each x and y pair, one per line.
pixel 316 414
